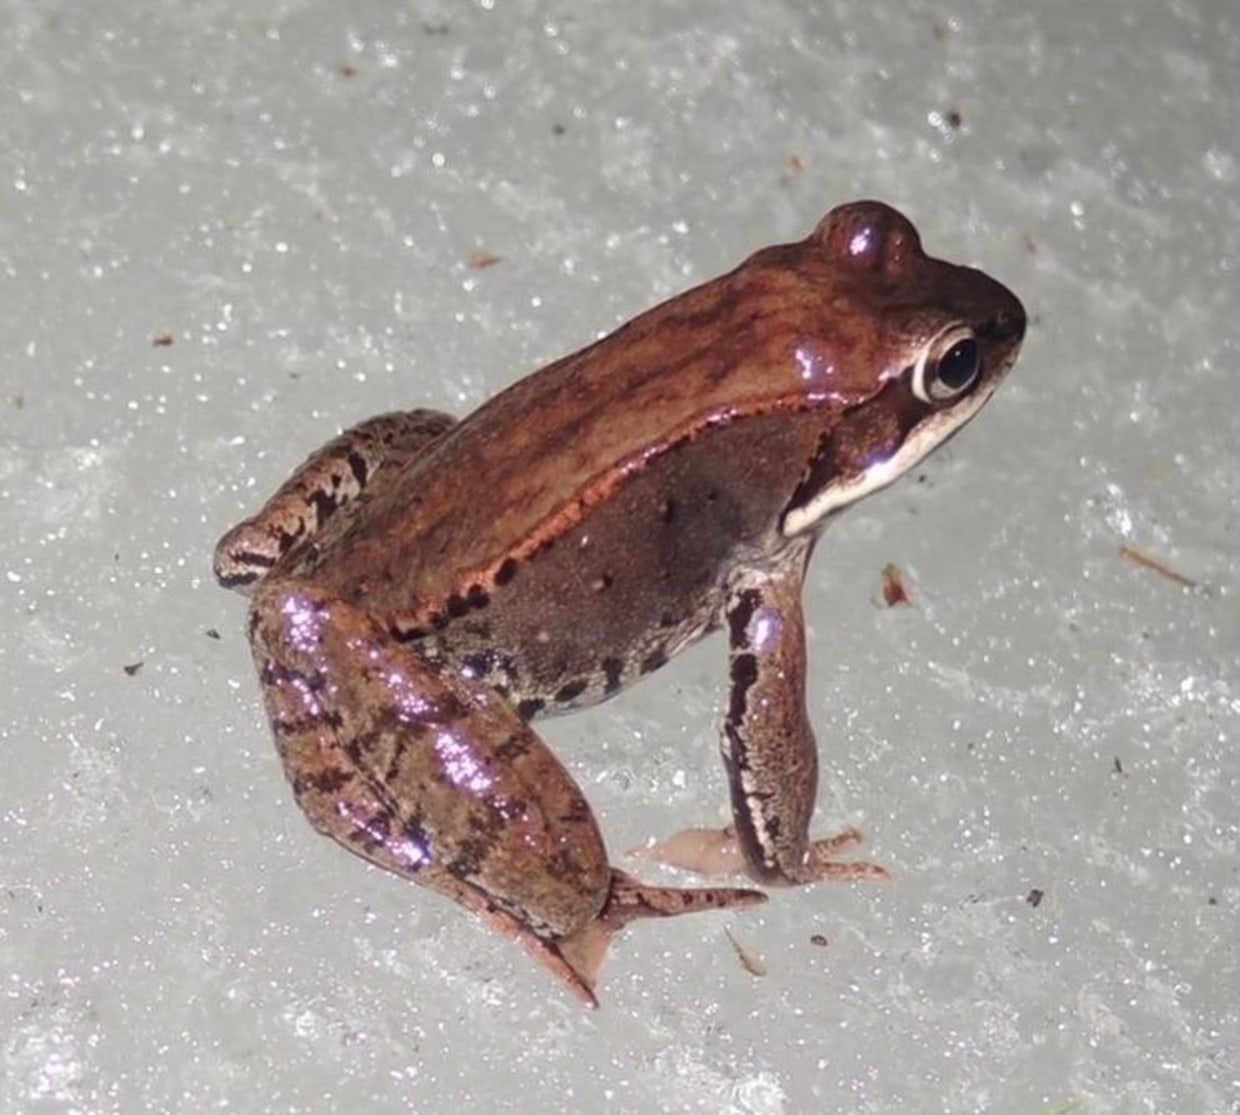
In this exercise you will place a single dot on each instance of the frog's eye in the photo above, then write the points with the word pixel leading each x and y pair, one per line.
pixel 948 366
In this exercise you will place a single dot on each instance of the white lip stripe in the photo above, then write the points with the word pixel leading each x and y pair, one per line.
pixel 935 429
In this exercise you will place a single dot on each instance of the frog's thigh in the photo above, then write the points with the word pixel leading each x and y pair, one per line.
pixel 406 766
pixel 327 481
pixel 338 800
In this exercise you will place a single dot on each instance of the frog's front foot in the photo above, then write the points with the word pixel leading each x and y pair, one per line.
pixel 716 852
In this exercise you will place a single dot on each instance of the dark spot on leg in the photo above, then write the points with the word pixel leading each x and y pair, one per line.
pixel 570 691
pixel 273 673
pixel 327 780
pixel 358 746
pixel 739 617
pixel 283 726
pixel 503 663
pixel 375 832
pixel 578 811
pixel 613 672
pixel 357 466
pixel 653 660
pixel 744 673
pixel 530 707
pixel 667 511
pixel 514 747
pixel 602 582
pixel 744 667
pixel 506 571
pixel 236 580
pixel 255 558
pixel 287 539
pixel 471 852
pixel 325 504
pixel 477 665
pixel 315 682
pixel 444 710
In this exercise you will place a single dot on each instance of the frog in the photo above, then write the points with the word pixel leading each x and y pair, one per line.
pixel 424 589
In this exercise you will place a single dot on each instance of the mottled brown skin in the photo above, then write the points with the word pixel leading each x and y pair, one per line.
pixel 423 589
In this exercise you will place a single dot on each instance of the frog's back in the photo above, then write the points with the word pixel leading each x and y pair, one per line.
pixel 531 464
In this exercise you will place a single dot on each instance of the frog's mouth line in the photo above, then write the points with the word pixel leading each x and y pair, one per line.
pixel 921 430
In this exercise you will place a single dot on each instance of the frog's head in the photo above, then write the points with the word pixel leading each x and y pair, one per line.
pixel 927 343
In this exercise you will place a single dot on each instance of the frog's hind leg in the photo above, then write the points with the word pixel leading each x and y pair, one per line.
pixel 407 765
pixel 327 481
pixel 577 958
pixel 630 900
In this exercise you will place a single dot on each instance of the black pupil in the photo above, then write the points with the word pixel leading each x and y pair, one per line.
pixel 959 364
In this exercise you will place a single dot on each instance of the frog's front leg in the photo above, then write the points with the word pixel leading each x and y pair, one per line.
pixel 768 744
pixel 409 766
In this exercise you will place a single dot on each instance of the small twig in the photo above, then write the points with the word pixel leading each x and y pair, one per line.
pixel 750 961
pixel 1148 561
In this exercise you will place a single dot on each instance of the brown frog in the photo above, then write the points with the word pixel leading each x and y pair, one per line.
pixel 423 588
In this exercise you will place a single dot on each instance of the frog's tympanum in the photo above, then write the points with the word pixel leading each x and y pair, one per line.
pixel 424 588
